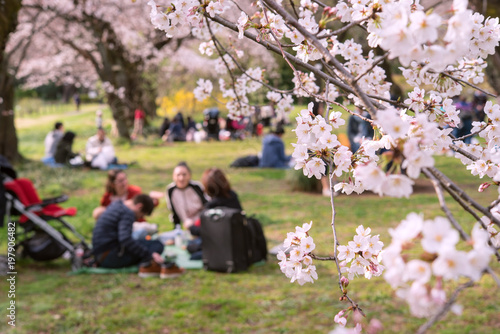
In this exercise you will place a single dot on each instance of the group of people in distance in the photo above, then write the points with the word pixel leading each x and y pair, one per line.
pixel 122 206
pixel 99 151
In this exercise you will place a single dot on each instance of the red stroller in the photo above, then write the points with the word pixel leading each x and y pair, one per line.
pixel 42 223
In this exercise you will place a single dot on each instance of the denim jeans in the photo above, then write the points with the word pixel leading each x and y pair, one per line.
pixel 117 259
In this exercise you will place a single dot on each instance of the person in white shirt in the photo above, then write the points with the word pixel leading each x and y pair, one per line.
pixel 99 150
pixel 52 139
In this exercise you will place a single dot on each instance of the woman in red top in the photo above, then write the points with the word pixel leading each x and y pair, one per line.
pixel 117 188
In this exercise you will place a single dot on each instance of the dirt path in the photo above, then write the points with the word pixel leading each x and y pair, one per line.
pixel 27 122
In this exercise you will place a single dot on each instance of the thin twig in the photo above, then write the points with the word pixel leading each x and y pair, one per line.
pixel 468 84
pixel 445 309
pixel 219 51
pixel 444 207
pixel 341 30
pixel 322 258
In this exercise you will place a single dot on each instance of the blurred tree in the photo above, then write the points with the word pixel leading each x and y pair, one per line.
pixel 80 42
pixel 8 139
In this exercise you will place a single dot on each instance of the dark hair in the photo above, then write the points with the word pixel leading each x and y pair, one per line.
pixel 184 164
pixel 216 183
pixel 69 136
pixel 110 183
pixel 147 203
pixel 279 130
pixel 58 125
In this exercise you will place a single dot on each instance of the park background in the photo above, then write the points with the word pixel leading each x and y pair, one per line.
pixel 51 300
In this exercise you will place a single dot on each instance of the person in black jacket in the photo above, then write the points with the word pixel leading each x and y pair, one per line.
pixel 217 187
pixel 114 247
pixel 64 150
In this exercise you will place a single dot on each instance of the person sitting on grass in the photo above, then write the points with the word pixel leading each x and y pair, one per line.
pixel 64 152
pixel 51 141
pixel 114 247
pixel 185 197
pixel 99 151
pixel 218 188
pixel 117 188
pixel 273 150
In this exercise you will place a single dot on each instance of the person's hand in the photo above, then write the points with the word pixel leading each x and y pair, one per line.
pixel 188 223
pixel 157 258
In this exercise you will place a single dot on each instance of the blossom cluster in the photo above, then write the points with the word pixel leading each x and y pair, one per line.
pixel 420 281
pixel 454 41
pixel 298 265
pixel 363 254
pixel 415 137
pixel 409 33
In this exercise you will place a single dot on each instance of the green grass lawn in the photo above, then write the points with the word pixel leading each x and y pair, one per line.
pixel 260 300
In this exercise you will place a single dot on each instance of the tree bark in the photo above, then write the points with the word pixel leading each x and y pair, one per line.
pixel 8 137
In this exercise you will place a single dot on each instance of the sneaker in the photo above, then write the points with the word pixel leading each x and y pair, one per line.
pixel 171 272
pixel 151 269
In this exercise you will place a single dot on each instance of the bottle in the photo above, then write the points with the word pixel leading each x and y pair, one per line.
pixel 178 236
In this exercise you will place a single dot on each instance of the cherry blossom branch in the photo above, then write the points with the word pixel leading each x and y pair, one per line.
pixel 457 192
pixel 293 8
pixel 463 152
pixel 375 63
pixel 287 56
pixel 320 3
pixel 445 309
pixel 301 86
pixel 467 83
pixel 217 45
pixel 354 305
pixel 244 71
pixel 451 218
pixel 239 8
pixel 322 258
pixel 345 75
pixel 444 207
pixel 277 50
pixel 341 30
pixel 494 203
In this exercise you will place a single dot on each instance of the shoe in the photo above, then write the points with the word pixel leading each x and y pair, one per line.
pixel 171 272
pixel 151 269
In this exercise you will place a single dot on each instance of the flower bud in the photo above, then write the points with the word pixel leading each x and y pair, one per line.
pixel 484 186
pixel 344 281
pixel 330 11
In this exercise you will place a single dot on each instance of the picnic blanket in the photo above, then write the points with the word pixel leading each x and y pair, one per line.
pixel 173 253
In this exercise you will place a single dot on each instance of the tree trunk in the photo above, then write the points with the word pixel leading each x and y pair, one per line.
pixel 120 112
pixel 8 137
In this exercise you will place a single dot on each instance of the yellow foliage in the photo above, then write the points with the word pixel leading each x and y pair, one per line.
pixel 185 102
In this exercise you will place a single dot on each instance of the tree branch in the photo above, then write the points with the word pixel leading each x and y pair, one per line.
pixel 446 308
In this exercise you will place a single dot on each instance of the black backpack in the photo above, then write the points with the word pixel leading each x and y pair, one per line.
pixel 247 161
pixel 257 240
